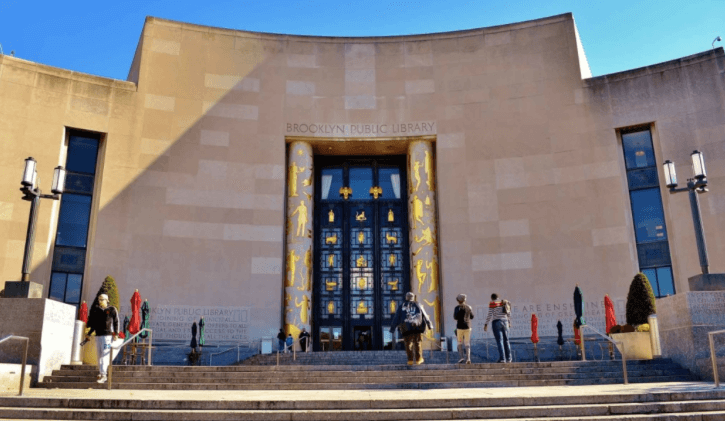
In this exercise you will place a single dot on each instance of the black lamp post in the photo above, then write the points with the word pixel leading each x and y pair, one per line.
pixel 695 186
pixel 33 194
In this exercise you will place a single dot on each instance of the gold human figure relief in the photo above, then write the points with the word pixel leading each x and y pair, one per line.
pixel 360 237
pixel 360 216
pixel 292 259
pixel 362 308
pixel 393 307
pixel 362 283
pixel 416 174
pixel 330 285
pixel 391 216
pixel 345 192
pixel 426 238
pixel 304 307
pixel 293 171
pixel 361 262
pixel 428 170
pixel 436 305
pixel 331 216
pixel 420 274
pixel 417 211
pixel 393 284
pixel 330 307
pixel 331 239
pixel 305 278
pixel 432 266
pixel 391 259
pixel 330 260
pixel 391 238
pixel 376 191
pixel 301 213
pixel 427 200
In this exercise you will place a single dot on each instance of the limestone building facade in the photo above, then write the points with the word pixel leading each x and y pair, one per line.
pixel 265 181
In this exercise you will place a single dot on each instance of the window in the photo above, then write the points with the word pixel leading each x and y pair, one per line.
pixel 71 240
pixel 653 250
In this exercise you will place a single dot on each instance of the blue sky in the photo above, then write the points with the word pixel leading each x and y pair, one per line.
pixel 100 37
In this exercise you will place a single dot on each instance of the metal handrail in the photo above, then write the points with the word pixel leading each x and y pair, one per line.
pixel 436 343
pixel 110 353
pixel 712 355
pixel 239 345
pixel 616 343
pixel 25 357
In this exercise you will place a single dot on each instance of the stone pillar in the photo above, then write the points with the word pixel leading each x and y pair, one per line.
pixel 298 259
pixel 424 232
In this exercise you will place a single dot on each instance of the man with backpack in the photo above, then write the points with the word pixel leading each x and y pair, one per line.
pixel 500 312
pixel 412 321
pixel 463 315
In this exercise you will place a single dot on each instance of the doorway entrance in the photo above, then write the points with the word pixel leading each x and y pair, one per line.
pixel 361 251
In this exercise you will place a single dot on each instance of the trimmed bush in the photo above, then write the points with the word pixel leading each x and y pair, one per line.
pixel 627 329
pixel 640 300
pixel 109 288
pixel 643 328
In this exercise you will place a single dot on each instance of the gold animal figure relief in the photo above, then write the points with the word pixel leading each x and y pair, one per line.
pixel 360 237
pixel 391 216
pixel 306 182
pixel 391 238
pixel 419 274
pixel 293 171
pixel 361 262
pixel 417 211
pixel 427 200
pixel 436 305
pixel 394 284
pixel 392 259
pixel 331 260
pixel 393 307
pixel 331 239
pixel 360 216
pixel 345 192
pixel 376 191
pixel 292 259
pixel 304 307
pixel 362 283
pixel 426 238
pixel 416 175
pixel 301 213
pixel 362 308
pixel 432 266
pixel 330 285
pixel 331 307
pixel 429 170
pixel 331 216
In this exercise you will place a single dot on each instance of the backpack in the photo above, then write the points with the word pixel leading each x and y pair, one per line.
pixel 506 307
pixel 413 319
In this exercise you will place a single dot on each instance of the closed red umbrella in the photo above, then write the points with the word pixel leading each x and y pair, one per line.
pixel 609 313
pixel 534 329
pixel 83 313
pixel 135 324
pixel 577 339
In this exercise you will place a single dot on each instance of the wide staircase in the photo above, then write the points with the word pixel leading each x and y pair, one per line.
pixel 341 386
pixel 366 370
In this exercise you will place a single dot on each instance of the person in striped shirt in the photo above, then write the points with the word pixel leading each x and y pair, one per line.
pixel 501 320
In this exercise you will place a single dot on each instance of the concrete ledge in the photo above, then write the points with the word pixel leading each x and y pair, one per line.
pixel 10 376
pixel 707 282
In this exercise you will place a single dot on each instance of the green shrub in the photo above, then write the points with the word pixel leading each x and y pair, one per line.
pixel 640 300
pixel 627 329
pixel 109 288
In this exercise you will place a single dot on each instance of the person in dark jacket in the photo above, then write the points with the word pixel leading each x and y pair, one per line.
pixel 463 315
pixel 281 340
pixel 103 321
pixel 412 320
pixel 304 339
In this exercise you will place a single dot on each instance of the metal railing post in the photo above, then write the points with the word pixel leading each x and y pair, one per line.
pixel 581 340
pixel 126 342
pixel 624 365
pixel 150 342
pixel 110 365
pixel 713 357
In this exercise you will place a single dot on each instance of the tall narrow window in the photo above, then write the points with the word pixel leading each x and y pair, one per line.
pixel 71 241
pixel 650 231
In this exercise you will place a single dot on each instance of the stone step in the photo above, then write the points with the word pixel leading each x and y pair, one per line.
pixel 684 410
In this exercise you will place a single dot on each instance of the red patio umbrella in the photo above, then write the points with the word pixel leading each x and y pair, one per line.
pixel 135 324
pixel 609 313
pixel 534 329
pixel 577 339
pixel 83 313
